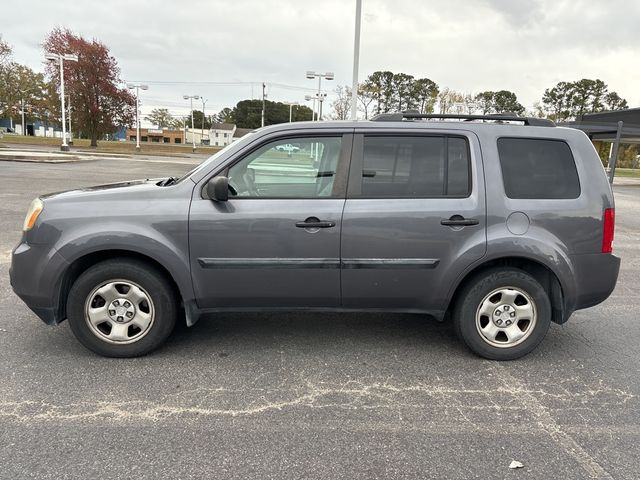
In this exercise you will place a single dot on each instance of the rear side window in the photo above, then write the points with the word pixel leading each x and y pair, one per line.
pixel 403 166
pixel 538 168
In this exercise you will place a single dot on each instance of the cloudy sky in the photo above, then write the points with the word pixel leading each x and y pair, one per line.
pixel 224 49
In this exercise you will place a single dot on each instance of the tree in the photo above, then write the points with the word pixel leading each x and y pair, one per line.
pixel 248 113
pixel 366 99
pixel 502 101
pixel 448 100
pixel 160 117
pixel 341 106
pixel 403 90
pixel 569 100
pixel 425 94
pixel 101 104
pixel 198 120
pixel 380 85
pixel 224 116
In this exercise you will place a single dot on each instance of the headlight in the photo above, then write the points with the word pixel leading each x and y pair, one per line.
pixel 32 215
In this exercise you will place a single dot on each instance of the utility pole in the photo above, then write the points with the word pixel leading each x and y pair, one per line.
pixel 61 58
pixel 356 61
pixel 291 104
pixel 137 88
pixel 264 96
pixel 23 132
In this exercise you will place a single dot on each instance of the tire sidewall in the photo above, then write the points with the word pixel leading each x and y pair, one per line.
pixel 152 281
pixel 477 289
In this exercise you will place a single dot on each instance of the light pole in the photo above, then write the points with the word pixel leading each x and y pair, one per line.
pixel 291 104
pixel 203 118
pixel 191 98
pixel 320 98
pixel 329 76
pixel 69 118
pixel 61 58
pixel 356 62
pixel 137 87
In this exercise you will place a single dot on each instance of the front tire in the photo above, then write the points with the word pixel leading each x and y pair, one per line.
pixel 121 308
pixel 502 314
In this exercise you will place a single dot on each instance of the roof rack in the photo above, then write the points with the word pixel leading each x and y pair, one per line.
pixel 505 117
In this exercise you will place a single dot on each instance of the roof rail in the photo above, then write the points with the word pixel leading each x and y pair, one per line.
pixel 505 117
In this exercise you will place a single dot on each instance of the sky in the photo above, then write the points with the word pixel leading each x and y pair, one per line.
pixel 223 50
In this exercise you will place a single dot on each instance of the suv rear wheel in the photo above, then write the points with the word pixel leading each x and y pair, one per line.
pixel 502 314
pixel 121 308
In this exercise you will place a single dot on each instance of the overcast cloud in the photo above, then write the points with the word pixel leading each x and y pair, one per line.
pixel 468 45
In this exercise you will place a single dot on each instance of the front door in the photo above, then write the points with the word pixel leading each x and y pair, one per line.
pixel 414 216
pixel 276 241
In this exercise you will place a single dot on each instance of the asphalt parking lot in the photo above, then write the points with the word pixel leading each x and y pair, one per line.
pixel 288 396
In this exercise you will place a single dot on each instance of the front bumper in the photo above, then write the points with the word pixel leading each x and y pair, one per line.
pixel 36 275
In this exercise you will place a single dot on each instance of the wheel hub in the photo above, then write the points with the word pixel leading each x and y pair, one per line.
pixel 121 310
pixel 504 316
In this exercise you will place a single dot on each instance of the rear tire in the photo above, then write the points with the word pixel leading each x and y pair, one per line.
pixel 122 308
pixel 502 314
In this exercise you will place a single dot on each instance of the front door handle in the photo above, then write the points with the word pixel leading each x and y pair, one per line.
pixel 313 222
pixel 459 221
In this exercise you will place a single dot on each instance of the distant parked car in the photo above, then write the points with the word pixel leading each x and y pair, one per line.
pixel 503 228
pixel 287 147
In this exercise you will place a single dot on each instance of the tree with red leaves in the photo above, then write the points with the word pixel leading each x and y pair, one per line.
pixel 100 103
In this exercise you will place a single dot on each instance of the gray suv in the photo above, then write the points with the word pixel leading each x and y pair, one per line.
pixel 501 224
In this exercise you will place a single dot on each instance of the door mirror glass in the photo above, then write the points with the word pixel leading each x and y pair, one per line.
pixel 218 189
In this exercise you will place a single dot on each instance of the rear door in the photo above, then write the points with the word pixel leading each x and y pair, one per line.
pixel 414 217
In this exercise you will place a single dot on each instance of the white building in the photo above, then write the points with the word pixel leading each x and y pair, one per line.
pixel 221 134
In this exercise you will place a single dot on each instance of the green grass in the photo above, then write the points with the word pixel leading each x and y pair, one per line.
pixel 80 144
pixel 628 172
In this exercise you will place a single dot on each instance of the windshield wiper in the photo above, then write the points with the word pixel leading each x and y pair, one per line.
pixel 168 181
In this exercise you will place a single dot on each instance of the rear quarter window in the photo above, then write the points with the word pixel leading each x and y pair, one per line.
pixel 535 168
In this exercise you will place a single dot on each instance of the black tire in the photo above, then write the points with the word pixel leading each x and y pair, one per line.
pixel 154 284
pixel 473 294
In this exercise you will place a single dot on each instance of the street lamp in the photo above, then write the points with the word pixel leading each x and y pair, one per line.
pixel 291 104
pixel 329 76
pixel 320 97
pixel 60 58
pixel 137 87
pixel 192 98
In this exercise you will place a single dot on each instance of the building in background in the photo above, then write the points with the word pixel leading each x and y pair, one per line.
pixel 156 135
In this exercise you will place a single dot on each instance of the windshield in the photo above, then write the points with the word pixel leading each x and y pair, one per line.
pixel 215 156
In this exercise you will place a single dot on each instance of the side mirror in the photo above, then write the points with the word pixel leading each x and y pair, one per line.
pixel 218 189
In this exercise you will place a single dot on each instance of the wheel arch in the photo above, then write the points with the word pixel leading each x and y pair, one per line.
pixel 82 263
pixel 544 274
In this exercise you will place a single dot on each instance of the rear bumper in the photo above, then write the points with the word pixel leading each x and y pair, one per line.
pixel 595 276
pixel 36 273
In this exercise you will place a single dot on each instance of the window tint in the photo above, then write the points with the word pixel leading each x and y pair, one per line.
pixel 538 168
pixel 300 167
pixel 415 167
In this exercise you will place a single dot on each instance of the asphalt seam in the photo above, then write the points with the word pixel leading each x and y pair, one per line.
pixel 546 422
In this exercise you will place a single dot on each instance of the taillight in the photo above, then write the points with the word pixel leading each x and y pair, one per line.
pixel 608 228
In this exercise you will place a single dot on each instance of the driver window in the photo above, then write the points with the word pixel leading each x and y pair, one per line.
pixel 293 167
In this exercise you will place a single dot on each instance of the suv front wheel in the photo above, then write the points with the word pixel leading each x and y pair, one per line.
pixel 121 308
pixel 502 314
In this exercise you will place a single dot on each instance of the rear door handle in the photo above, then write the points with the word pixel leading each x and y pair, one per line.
pixel 459 221
pixel 313 222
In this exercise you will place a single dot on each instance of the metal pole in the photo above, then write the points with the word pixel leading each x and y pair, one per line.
pixel 69 115
pixel 290 112
pixel 321 100
pixel 203 117
pixel 356 61
pixel 23 132
pixel 193 137
pixel 64 147
pixel 138 119
pixel 263 102
pixel 319 90
pixel 614 153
